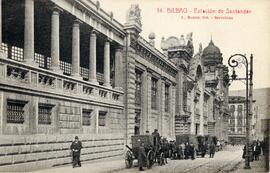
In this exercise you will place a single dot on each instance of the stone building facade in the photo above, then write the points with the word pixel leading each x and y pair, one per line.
pixel 69 68
pixel 237 120
pixel 261 109
pixel 47 92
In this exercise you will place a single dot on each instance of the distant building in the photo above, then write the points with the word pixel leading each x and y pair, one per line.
pixel 237 119
pixel 261 110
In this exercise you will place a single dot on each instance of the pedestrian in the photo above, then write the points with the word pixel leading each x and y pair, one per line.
pixel 76 147
pixel 187 150
pixel 156 138
pixel 192 151
pixel 141 156
pixel 244 152
pixel 183 147
pixel 212 149
pixel 257 151
pixel 218 146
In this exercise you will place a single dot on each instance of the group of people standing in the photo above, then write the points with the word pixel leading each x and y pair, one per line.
pixel 256 149
pixel 182 151
pixel 187 150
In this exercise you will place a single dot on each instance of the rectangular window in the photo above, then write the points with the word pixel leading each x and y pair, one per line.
pixel 102 118
pixel 44 113
pixel 240 110
pixel 15 111
pixel 86 117
pixel 167 98
pixel 138 87
pixel 154 93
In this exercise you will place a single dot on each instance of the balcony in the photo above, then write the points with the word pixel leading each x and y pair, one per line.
pixel 23 78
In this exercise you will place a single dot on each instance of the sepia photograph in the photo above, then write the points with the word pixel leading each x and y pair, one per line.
pixel 126 86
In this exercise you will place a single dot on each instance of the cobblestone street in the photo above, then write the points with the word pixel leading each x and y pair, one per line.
pixel 224 161
pixel 227 161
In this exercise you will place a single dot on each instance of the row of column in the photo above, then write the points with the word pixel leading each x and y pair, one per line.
pixel 55 44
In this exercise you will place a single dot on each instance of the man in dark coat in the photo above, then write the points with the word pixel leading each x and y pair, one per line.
pixel 187 150
pixel 141 156
pixel 76 147
pixel 192 151
pixel 257 151
pixel 212 149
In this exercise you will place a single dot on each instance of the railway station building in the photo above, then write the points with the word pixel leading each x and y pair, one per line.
pixel 69 68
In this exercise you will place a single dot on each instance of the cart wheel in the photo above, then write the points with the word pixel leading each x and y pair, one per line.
pixel 150 159
pixel 161 159
pixel 128 159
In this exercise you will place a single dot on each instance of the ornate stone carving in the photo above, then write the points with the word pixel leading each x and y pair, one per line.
pixel 200 48
pixel 17 74
pixel 69 86
pixel 102 93
pixel 133 20
pixel 157 61
pixel 134 13
pixel 87 90
pixel 46 80
pixel 182 45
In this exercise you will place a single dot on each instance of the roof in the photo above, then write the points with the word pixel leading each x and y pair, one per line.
pixel 211 49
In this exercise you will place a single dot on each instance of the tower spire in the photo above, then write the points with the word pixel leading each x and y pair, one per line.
pixel 211 41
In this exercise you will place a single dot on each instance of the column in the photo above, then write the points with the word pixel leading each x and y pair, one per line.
pixel 55 43
pixel 149 121
pixel 93 57
pixel 76 49
pixel 96 113
pixel 144 102
pixel 119 68
pixel 0 25
pixel 2 55
pixel 106 67
pixel 29 32
pixel 159 106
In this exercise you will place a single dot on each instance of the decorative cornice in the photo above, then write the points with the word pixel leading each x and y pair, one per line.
pixel 150 54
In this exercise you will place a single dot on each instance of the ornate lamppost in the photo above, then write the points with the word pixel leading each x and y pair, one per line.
pixel 237 60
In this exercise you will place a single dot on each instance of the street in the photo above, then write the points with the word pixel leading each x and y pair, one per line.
pixel 224 161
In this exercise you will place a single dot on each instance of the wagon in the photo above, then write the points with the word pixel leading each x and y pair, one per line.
pixel 152 152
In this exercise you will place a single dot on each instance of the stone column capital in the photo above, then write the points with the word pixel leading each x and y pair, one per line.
pixel 108 40
pixel 94 32
pixel 119 48
pixel 56 10
pixel 77 22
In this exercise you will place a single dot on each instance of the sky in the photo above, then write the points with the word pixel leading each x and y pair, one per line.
pixel 244 34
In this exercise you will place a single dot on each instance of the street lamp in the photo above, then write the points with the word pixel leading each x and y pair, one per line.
pixel 237 62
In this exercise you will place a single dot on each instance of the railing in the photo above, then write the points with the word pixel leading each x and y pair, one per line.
pixel 43 81
pixel 16 53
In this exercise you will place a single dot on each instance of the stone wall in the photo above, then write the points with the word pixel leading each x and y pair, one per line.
pixel 66 117
pixel 28 153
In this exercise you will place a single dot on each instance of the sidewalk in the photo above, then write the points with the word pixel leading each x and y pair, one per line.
pixel 98 166
pixel 256 167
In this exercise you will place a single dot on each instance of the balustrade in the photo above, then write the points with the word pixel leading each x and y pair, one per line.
pixel 102 93
pixel 39 79
pixel 17 73
pixel 46 81
pixel 16 53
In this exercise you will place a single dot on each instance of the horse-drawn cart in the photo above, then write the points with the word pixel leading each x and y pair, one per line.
pixel 152 151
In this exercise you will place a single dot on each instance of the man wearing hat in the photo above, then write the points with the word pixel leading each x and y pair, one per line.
pixel 141 155
pixel 76 147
